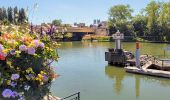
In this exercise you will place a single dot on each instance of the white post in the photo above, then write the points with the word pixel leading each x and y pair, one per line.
pixel 137 55
pixel 117 44
pixel 118 37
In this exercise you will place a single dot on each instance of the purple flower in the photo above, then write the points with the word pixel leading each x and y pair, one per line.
pixel 31 75
pixel 45 78
pixel 1 48
pixel 7 93
pixel 41 45
pixel 14 76
pixel 22 47
pixel 12 52
pixel 14 94
pixel 21 98
pixel 36 43
pixel 31 51
pixel 13 84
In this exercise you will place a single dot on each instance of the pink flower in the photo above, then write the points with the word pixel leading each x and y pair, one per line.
pixel 22 47
pixel 36 43
pixel 31 51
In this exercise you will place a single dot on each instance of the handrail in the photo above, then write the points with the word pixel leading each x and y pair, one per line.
pixel 77 97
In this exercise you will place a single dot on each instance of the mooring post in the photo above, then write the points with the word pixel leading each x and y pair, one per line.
pixel 138 55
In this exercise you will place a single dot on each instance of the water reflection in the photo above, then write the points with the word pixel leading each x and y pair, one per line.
pixel 116 74
pixel 119 75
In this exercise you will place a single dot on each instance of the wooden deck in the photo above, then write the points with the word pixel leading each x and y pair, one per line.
pixel 152 72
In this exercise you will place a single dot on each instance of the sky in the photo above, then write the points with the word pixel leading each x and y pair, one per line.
pixel 70 11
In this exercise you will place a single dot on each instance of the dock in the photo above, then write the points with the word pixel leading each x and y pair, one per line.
pixel 151 72
pixel 153 67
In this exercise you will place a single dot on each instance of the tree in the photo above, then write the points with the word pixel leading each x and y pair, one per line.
pixel 4 13
pixel 1 14
pixel 57 22
pixel 15 15
pixel 139 24
pixel 120 12
pixel 152 13
pixel 10 15
pixel 164 20
pixel 22 18
pixel 120 18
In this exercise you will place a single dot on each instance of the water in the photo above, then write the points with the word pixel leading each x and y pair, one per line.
pixel 83 69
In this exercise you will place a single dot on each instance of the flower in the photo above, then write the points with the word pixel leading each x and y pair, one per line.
pixel 41 45
pixel 36 43
pixel 14 76
pixel 22 47
pixel 14 94
pixel 13 84
pixel 2 56
pixel 7 93
pixel 31 51
pixel 1 48
pixel 26 87
pixel 21 98
pixel 12 52
pixel 45 78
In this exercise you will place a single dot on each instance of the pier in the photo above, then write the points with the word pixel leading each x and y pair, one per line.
pixel 149 65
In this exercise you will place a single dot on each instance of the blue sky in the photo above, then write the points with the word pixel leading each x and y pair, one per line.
pixel 70 11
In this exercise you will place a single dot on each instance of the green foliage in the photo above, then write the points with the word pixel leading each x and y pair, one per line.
pixel 119 19
pixel 57 22
pixel 13 15
pixel 153 21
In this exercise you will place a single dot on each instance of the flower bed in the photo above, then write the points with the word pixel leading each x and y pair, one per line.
pixel 25 71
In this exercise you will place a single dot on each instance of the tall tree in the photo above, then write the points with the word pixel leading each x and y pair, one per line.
pixel 15 15
pixel 140 25
pixel 22 18
pixel 10 15
pixel 1 14
pixel 152 13
pixel 4 14
pixel 164 20
pixel 119 19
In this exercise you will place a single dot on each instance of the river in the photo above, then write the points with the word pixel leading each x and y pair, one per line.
pixel 82 68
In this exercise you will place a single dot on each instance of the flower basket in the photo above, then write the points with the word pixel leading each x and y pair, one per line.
pixel 25 66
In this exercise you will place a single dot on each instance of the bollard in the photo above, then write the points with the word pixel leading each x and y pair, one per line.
pixel 138 55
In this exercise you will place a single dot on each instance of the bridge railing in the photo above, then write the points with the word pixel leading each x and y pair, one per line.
pixel 75 96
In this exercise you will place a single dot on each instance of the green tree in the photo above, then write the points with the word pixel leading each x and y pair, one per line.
pixel 22 18
pixel 140 25
pixel 57 22
pixel 120 19
pixel 152 13
pixel 15 15
pixel 164 20
pixel 4 13
pixel 1 14
pixel 10 15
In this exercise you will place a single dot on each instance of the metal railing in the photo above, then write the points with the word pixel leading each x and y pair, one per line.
pixel 75 96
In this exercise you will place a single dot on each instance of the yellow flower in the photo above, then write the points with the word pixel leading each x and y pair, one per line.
pixel 29 70
pixel 42 72
pixel 8 82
